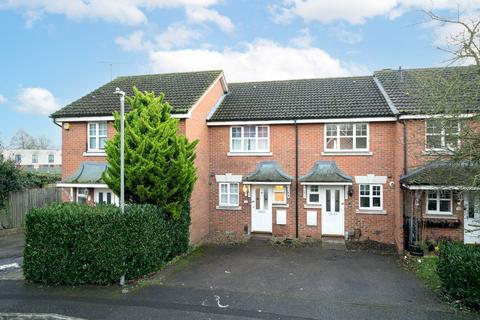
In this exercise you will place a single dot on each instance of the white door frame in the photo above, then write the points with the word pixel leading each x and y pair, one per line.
pixel 471 223
pixel 261 204
pixel 333 221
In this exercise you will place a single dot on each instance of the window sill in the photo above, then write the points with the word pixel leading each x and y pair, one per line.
pixel 445 216
pixel 229 208
pixel 94 154
pixel 249 154
pixel 370 211
pixel 280 205
pixel 347 153
pixel 437 153
pixel 312 206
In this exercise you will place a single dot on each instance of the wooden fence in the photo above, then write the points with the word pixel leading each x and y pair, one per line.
pixel 19 203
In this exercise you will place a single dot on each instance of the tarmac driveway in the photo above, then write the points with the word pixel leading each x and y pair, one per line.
pixel 253 281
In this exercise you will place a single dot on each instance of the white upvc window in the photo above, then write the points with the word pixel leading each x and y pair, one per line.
pixel 18 158
pixel 313 194
pixel 371 196
pixel 279 194
pixel 105 196
pixel 97 136
pixel 441 135
pixel 229 194
pixel 51 158
pixel 249 139
pixel 35 158
pixel 439 202
pixel 82 195
pixel 346 136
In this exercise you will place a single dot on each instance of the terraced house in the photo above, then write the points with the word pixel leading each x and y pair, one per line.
pixel 336 157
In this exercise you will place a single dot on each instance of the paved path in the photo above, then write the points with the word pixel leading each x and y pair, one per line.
pixel 249 282
pixel 11 250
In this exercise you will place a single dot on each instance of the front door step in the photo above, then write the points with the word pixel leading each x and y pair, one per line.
pixel 334 243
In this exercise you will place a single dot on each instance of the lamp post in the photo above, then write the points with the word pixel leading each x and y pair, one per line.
pixel 122 159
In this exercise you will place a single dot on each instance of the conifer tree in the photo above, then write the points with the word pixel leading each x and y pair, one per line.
pixel 159 162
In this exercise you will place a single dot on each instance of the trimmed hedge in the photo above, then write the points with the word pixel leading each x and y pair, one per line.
pixel 459 271
pixel 72 244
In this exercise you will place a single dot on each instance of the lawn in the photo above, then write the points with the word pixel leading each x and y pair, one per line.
pixel 426 269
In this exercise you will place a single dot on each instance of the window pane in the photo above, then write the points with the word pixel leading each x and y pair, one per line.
pixel 109 197
pixel 361 129
pixel 250 144
pixel 434 142
pixel 376 190
pixel 376 202
pixel 257 198
pixel 279 197
pixel 346 143
pixel 337 200
pixel 249 131
pixel 364 202
pixel 445 194
pixel 92 129
pixel 93 143
pixel 101 142
pixel 432 194
pixel 328 200
pixel 331 130
pixel 314 197
pixel 51 158
pixel 265 199
pixel 262 132
pixel 361 143
pixel 432 205
pixel 346 129
pixel 236 132
pixel 236 144
pixel 234 199
pixel 233 188
pixel 364 189
pixel 331 143
pixel 224 199
pixel 100 197
pixel 102 128
pixel 313 188
pixel 445 206
pixel 262 144
pixel 434 126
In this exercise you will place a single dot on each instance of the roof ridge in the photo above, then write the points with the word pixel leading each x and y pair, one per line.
pixel 424 68
pixel 302 79
pixel 167 73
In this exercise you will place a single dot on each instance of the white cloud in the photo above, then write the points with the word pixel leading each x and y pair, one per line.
pixel 303 40
pixel 176 35
pixel 260 60
pixel 201 15
pixel 346 36
pixel 2 99
pixel 37 101
pixel 131 12
pixel 358 11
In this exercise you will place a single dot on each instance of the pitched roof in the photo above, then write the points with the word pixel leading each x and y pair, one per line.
pixel 268 171
pixel 325 171
pixel 426 89
pixel 88 172
pixel 182 90
pixel 303 99
pixel 443 173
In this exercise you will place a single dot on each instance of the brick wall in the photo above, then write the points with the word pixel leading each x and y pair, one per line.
pixel 379 227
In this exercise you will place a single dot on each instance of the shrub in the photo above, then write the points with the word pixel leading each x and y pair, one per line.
pixel 76 244
pixel 459 271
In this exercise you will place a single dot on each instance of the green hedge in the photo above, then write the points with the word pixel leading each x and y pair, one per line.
pixel 459 271
pixel 76 244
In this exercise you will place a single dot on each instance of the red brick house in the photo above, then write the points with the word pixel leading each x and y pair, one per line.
pixel 296 158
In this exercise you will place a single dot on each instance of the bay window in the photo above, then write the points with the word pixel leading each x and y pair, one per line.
pixel 346 137
pixel 97 136
pixel 371 197
pixel 229 194
pixel 439 202
pixel 249 139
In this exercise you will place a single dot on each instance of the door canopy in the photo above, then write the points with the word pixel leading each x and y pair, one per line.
pixel 326 172
pixel 268 172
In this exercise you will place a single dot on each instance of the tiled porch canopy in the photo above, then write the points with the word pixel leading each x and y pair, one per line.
pixel 268 172
pixel 326 172
pixel 88 172
pixel 443 175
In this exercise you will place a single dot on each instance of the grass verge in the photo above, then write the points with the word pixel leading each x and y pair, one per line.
pixel 426 269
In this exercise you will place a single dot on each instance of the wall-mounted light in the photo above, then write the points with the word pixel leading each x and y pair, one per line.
pixel 66 126
pixel 350 191
pixel 246 190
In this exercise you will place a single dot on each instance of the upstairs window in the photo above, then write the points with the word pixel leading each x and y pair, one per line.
pixel 371 197
pixel 441 135
pixel 346 136
pixel 97 136
pixel 34 158
pixel 439 202
pixel 51 158
pixel 18 158
pixel 249 139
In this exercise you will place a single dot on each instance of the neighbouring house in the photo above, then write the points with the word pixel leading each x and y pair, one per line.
pixel 295 158
pixel 42 160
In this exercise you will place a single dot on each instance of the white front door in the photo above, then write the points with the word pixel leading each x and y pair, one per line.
pixel 262 208
pixel 471 218
pixel 332 211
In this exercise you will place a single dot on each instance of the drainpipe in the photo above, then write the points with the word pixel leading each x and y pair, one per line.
pixel 405 192
pixel 296 179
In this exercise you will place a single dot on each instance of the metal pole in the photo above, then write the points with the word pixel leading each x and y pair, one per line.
pixel 122 159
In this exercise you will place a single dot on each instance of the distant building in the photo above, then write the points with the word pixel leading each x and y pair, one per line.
pixel 45 161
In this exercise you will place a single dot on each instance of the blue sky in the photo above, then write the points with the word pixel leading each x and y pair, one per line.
pixel 54 52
